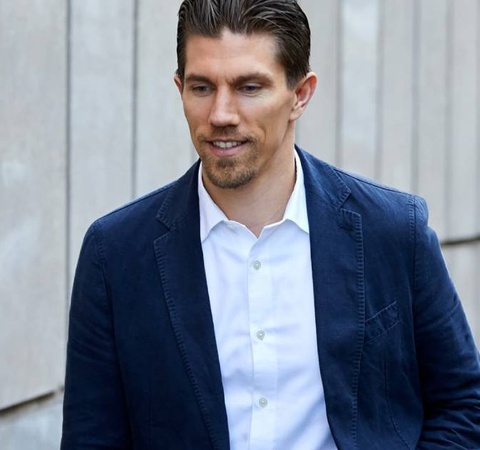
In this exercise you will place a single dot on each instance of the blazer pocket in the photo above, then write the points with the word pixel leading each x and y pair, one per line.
pixel 381 322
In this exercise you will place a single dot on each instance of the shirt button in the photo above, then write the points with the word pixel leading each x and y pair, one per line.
pixel 263 402
pixel 261 335
pixel 257 265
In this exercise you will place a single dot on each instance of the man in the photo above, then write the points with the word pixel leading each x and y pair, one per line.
pixel 265 300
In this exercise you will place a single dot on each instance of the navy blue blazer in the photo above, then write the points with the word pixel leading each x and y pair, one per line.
pixel 398 363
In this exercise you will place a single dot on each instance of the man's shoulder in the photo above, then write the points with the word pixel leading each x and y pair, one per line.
pixel 143 205
pixel 357 191
pixel 151 209
pixel 383 209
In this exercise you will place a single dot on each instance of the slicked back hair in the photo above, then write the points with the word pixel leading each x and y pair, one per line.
pixel 284 20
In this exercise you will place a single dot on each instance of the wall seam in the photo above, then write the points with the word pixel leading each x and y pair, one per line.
pixel 417 11
pixel 473 240
pixel 380 92
pixel 340 86
pixel 68 149
pixel 20 408
pixel 477 137
pixel 477 206
pixel 449 131
pixel 134 112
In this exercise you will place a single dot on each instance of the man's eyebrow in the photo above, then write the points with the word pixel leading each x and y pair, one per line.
pixel 194 78
pixel 252 76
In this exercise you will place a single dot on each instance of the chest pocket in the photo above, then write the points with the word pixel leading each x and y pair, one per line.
pixel 382 322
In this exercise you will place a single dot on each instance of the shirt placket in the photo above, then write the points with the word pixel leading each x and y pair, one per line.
pixel 261 306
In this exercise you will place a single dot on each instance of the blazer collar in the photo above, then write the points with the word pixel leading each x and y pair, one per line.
pixel 321 181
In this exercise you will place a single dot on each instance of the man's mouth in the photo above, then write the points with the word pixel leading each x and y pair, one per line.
pixel 227 145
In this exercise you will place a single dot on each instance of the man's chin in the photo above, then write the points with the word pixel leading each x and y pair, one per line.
pixel 226 179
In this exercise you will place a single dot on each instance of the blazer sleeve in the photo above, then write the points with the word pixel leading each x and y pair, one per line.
pixel 95 411
pixel 446 352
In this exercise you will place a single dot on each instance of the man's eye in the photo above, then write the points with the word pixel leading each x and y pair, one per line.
pixel 250 88
pixel 200 89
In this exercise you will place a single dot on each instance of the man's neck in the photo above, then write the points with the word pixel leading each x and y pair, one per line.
pixel 258 204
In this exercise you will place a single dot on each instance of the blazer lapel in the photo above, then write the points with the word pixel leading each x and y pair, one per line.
pixel 180 261
pixel 338 282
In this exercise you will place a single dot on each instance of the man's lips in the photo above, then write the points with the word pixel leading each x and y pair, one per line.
pixel 226 148
pixel 226 144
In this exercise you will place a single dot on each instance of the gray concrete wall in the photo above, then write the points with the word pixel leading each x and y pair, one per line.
pixel 90 118
pixel 398 100
pixel 33 198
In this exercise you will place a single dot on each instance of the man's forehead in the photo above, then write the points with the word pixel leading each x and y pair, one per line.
pixel 232 37
pixel 232 49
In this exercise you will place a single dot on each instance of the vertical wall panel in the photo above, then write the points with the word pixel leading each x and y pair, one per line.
pixel 102 40
pixel 431 139
pixel 463 153
pixel 395 157
pixel 317 130
pixel 32 198
pixel 464 266
pixel 164 149
pixel 360 20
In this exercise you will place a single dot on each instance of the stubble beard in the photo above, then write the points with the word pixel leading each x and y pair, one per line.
pixel 232 172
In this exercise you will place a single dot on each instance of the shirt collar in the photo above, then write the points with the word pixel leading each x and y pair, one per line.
pixel 210 214
pixel 296 210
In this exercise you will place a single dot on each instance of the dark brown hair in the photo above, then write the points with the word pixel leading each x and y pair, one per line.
pixel 282 19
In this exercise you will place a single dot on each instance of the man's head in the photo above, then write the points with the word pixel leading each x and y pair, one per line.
pixel 284 20
pixel 244 80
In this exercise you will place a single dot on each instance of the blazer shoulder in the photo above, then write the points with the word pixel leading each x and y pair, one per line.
pixel 384 210
pixel 142 214
pixel 362 184
pixel 357 192
pixel 139 212
pixel 369 197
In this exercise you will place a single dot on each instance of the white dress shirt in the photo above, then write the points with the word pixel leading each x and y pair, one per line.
pixel 261 296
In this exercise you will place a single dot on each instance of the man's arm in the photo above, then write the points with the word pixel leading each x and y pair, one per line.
pixel 95 412
pixel 448 359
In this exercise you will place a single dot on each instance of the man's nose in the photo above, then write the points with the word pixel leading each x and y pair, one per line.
pixel 224 112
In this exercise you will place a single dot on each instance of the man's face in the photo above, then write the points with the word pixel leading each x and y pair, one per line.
pixel 238 107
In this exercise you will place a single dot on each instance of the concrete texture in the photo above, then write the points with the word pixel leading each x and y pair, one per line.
pixel 360 58
pixel 464 266
pixel 318 130
pixel 35 428
pixel 431 90
pixel 396 113
pixel 101 120
pixel 464 151
pixel 163 145
pixel 32 198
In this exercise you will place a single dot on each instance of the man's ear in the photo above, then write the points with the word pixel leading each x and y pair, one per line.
pixel 303 93
pixel 178 83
